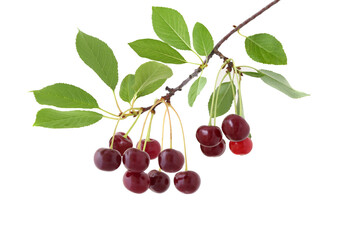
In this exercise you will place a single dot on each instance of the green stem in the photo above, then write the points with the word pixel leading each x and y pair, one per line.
pixel 217 96
pixel 197 56
pixel 250 67
pixel 108 112
pixel 148 132
pixel 137 118
pixel 111 117
pixel 113 137
pixel 213 99
pixel 233 89
pixel 183 133
pixel 116 101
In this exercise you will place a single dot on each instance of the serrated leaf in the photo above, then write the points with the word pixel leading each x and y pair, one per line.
pixel 170 26
pixel 225 99
pixel 253 74
pixel 157 50
pixel 65 96
pixel 99 57
pixel 195 90
pixel 278 82
pixel 51 118
pixel 127 88
pixel 265 48
pixel 202 40
pixel 149 77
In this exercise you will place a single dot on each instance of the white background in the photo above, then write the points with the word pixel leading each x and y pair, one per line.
pixel 301 181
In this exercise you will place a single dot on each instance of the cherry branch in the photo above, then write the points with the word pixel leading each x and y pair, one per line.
pixel 215 51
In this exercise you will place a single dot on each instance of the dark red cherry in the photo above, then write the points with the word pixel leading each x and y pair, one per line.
pixel 235 128
pixel 215 151
pixel 107 159
pixel 136 160
pixel 136 182
pixel 241 148
pixel 159 181
pixel 171 160
pixel 121 143
pixel 209 135
pixel 187 182
pixel 152 147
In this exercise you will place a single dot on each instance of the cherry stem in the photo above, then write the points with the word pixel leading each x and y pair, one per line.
pixel 113 137
pixel 149 130
pixel 183 133
pixel 217 97
pixel 213 99
pixel 110 117
pixel 233 90
pixel 147 115
pixel 137 118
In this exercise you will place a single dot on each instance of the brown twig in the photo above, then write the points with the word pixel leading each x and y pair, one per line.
pixel 172 91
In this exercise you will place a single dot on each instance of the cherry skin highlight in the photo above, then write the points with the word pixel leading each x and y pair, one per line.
pixel 152 148
pixel 171 160
pixel 136 160
pixel 242 147
pixel 159 181
pixel 107 159
pixel 235 128
pixel 187 182
pixel 209 136
pixel 120 143
pixel 215 151
pixel 136 182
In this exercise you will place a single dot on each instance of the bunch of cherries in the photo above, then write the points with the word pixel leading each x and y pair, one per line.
pixel 234 127
pixel 137 161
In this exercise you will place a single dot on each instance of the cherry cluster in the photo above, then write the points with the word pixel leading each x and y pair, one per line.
pixel 137 161
pixel 234 127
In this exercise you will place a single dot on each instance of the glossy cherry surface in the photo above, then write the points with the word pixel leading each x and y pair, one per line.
pixel 187 181
pixel 136 182
pixel 235 128
pixel 136 160
pixel 214 151
pixel 120 143
pixel 209 135
pixel 152 147
pixel 242 147
pixel 107 159
pixel 159 181
pixel 171 160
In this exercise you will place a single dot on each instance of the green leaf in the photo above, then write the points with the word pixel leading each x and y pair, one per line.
pixel 195 90
pixel 98 56
pixel 203 41
pixel 127 88
pixel 225 99
pixel 265 48
pixel 149 77
pixel 253 74
pixel 157 50
pixel 65 96
pixel 277 81
pixel 51 118
pixel 170 26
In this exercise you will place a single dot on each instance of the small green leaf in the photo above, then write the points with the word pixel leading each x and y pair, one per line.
pixel 149 77
pixel 127 88
pixel 253 74
pixel 265 48
pixel 157 50
pixel 277 81
pixel 170 26
pixel 195 90
pixel 65 96
pixel 203 41
pixel 98 56
pixel 51 118
pixel 225 99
